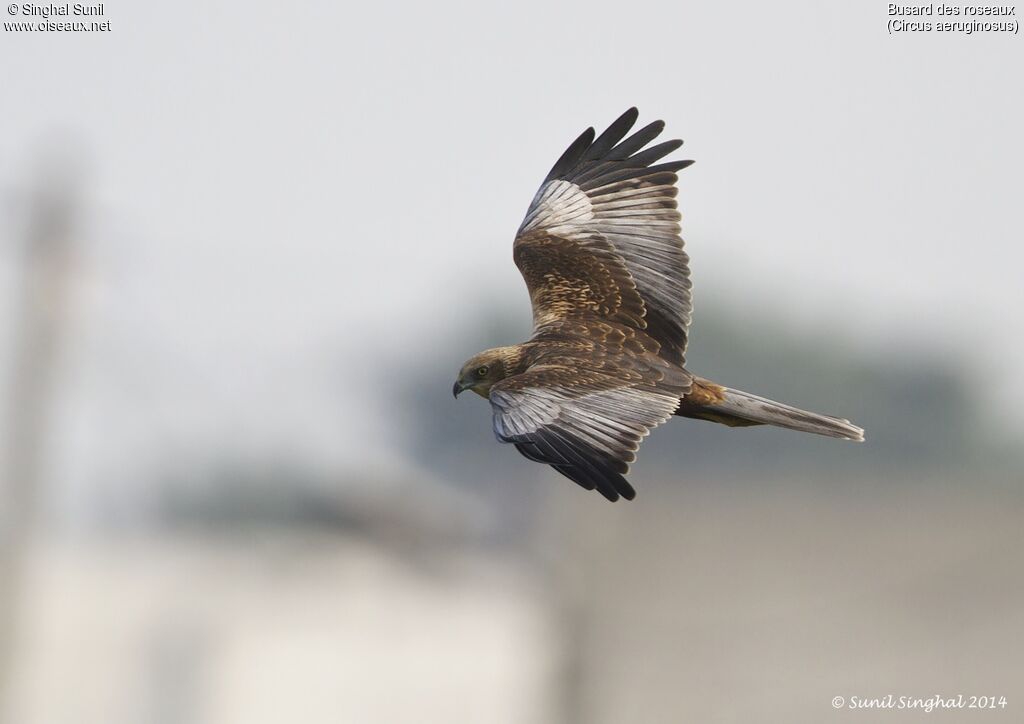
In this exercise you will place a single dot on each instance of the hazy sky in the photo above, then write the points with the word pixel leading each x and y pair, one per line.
pixel 284 197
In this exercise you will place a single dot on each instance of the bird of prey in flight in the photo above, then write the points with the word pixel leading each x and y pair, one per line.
pixel 601 253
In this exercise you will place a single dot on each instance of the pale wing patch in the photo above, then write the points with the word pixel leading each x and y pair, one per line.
pixel 611 421
pixel 557 204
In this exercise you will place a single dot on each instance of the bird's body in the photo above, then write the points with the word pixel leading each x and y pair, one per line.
pixel 609 284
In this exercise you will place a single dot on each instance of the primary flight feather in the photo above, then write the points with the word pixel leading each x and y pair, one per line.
pixel 601 253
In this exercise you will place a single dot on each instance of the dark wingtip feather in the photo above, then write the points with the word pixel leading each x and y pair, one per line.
pixel 572 155
pixel 612 135
pixel 628 119
pixel 663 173
pixel 576 460
pixel 654 153
pixel 637 141
pixel 593 163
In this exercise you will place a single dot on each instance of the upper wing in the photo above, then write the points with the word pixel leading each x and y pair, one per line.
pixel 604 231
pixel 587 425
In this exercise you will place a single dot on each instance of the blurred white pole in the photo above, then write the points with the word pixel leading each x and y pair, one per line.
pixel 566 574
pixel 37 328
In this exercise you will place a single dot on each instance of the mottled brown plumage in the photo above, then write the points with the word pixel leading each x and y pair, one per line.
pixel 601 253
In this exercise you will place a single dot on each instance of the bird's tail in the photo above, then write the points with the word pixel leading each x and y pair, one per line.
pixel 708 401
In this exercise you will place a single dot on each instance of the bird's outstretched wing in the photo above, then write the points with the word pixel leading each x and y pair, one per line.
pixel 601 237
pixel 585 424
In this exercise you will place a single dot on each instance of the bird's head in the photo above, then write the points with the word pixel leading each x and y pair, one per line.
pixel 482 371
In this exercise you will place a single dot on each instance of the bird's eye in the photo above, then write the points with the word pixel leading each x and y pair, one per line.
pixel 481 371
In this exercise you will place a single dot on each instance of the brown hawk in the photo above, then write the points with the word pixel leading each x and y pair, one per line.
pixel 601 253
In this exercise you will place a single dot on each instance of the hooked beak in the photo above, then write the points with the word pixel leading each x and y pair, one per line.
pixel 457 389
